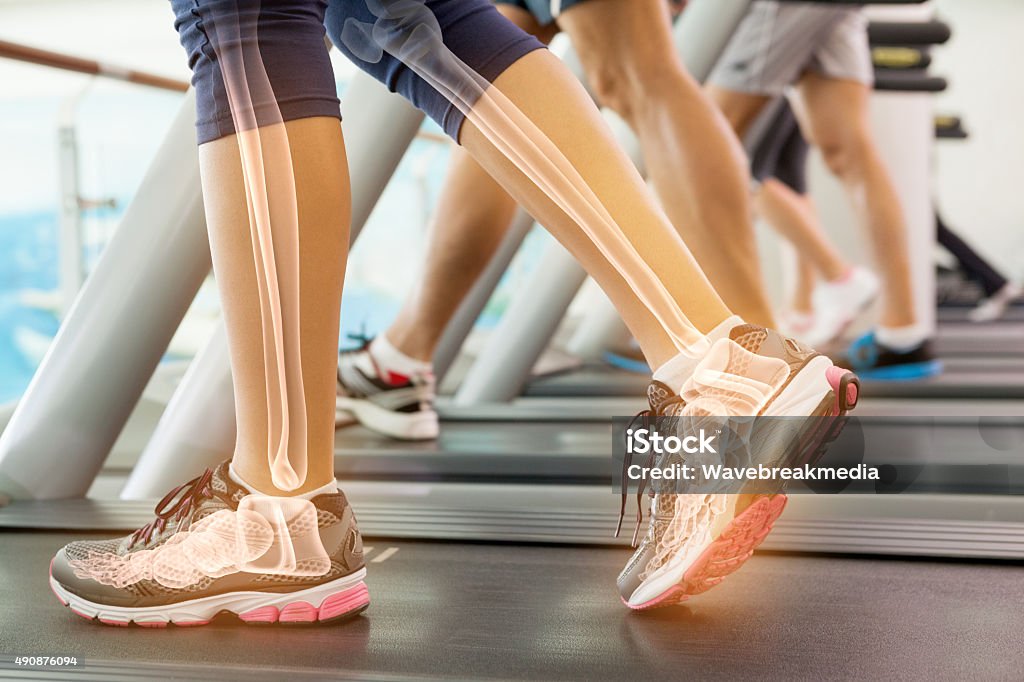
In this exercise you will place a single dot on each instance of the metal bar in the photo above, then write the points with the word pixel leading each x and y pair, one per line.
pixel 116 332
pixel 926 524
pixel 65 62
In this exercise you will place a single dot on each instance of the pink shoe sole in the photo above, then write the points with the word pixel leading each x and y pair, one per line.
pixel 725 555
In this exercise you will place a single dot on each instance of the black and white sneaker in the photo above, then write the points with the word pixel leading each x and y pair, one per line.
pixel 384 401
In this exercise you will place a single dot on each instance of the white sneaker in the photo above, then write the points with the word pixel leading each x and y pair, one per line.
pixel 995 306
pixel 837 305
pixel 391 404
pixel 795 323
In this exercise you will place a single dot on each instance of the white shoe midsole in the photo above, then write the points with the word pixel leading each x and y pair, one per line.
pixel 422 425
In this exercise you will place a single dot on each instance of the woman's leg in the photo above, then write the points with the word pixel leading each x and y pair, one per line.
pixel 533 128
pixel 546 92
pixel 806 278
pixel 321 184
pixel 275 181
pixel 471 218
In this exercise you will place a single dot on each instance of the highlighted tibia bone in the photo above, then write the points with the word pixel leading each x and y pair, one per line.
pixel 270 194
pixel 272 535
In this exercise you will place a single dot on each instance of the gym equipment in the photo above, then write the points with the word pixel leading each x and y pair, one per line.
pixel 543 481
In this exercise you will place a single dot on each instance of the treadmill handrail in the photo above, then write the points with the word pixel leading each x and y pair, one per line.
pixel 66 62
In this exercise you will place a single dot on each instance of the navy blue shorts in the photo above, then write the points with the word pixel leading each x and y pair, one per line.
pixel 290 38
pixel 545 11
pixel 782 152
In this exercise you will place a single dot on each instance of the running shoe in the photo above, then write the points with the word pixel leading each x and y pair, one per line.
pixel 694 541
pixel 337 592
pixel 796 323
pixel 837 305
pixel 398 406
pixel 873 360
pixel 996 305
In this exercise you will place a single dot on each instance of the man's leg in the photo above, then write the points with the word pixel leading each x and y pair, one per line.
pixel 694 161
pixel 838 123
pixel 794 217
pixel 471 217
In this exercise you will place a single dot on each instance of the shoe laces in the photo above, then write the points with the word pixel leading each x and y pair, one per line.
pixel 645 417
pixel 175 506
pixel 361 338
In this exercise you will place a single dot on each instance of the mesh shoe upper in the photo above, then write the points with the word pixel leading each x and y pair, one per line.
pixel 336 524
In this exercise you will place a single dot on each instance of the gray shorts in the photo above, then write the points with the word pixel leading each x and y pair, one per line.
pixel 778 42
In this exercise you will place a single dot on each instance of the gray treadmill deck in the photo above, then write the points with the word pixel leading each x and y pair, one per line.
pixel 460 611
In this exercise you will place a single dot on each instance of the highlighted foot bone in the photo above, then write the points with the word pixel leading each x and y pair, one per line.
pixel 270 535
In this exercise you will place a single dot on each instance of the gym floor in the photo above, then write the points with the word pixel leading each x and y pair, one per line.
pixel 493 611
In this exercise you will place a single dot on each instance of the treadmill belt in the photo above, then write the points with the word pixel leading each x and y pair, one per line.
pixel 487 611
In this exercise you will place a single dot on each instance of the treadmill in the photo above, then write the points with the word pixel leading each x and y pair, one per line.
pixel 490 557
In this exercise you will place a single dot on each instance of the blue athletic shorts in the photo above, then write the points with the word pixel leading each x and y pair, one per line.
pixel 290 38
pixel 545 11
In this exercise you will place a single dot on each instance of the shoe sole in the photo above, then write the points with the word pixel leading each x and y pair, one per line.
pixel 745 533
pixel 330 602
pixel 846 323
pixel 417 426
pixel 724 556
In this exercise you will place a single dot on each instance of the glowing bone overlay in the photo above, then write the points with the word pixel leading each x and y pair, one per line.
pixel 408 30
pixel 275 535
pixel 274 229
pixel 728 380
pixel 278 535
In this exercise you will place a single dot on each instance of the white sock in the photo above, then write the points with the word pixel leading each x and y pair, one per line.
pixel 902 339
pixel 676 371
pixel 331 487
pixel 390 359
